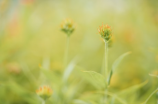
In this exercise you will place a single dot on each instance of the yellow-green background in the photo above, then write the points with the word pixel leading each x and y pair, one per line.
pixel 30 35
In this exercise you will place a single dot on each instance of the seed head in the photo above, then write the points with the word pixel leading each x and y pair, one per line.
pixel 44 92
pixel 67 26
pixel 105 32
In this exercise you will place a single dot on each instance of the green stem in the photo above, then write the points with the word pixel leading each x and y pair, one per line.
pixel 43 102
pixel 106 69
pixel 66 52
pixel 103 65
pixel 106 59
pixel 150 96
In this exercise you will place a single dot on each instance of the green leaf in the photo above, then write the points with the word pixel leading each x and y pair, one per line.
pixel 49 75
pixel 96 79
pixel 69 69
pixel 115 65
pixel 132 89
pixel 89 95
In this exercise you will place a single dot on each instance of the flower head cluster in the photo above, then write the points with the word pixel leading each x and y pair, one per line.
pixel 105 32
pixel 67 26
pixel 44 92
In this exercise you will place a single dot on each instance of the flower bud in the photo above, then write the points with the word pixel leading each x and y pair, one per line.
pixel 44 92
pixel 105 32
pixel 67 26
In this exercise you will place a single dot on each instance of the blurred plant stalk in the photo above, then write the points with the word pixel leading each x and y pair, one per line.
pixel 106 60
pixel 66 51
pixel 155 91
pixel 67 27
pixel 106 33
pixel 106 67
pixel 43 102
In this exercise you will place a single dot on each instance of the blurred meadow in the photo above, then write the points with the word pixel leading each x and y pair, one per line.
pixel 32 48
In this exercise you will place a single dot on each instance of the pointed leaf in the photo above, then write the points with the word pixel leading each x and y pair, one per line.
pixel 132 89
pixel 96 79
pixel 115 65
pixel 69 69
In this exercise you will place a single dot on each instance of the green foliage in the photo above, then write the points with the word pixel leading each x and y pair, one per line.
pixel 115 65
pixel 95 79
pixel 30 34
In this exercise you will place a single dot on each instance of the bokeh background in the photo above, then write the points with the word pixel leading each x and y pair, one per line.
pixel 30 35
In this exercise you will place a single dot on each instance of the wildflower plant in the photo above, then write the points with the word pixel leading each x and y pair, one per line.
pixel 102 81
pixel 67 26
pixel 27 33
pixel 105 32
pixel 44 92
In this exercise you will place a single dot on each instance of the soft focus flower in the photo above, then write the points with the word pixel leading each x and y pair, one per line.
pixel 27 2
pixel 44 92
pixel 67 26
pixel 105 32
pixel 13 68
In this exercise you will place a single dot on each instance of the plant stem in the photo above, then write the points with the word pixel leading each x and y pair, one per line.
pixel 106 70
pixel 43 102
pixel 150 96
pixel 106 59
pixel 103 65
pixel 66 51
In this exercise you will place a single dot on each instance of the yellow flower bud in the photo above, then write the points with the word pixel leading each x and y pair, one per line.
pixel 44 92
pixel 67 26
pixel 105 32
